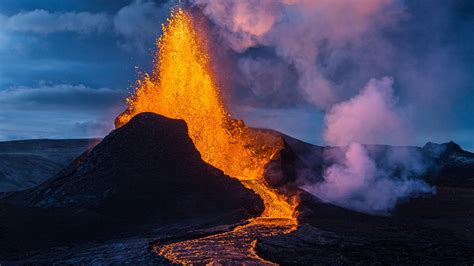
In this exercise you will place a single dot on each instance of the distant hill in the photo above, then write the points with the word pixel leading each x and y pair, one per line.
pixel 445 164
pixel 27 163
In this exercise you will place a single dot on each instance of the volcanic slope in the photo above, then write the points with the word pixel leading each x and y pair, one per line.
pixel 143 176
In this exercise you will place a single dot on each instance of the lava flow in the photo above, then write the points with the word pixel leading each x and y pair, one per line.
pixel 182 86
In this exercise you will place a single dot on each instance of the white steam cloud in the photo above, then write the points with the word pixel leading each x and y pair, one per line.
pixel 355 180
pixel 370 117
pixel 357 183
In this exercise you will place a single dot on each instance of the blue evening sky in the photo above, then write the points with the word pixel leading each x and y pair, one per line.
pixel 67 65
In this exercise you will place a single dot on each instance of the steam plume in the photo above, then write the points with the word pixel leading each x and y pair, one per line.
pixel 370 117
pixel 355 180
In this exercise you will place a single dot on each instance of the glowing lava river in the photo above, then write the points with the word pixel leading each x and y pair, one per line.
pixel 182 86
pixel 237 245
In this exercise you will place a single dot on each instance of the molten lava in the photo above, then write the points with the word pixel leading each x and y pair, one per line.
pixel 182 86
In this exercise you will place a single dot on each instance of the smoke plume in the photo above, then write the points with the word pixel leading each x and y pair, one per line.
pixel 356 180
pixel 370 117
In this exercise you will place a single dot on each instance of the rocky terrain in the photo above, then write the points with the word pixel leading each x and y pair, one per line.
pixel 434 230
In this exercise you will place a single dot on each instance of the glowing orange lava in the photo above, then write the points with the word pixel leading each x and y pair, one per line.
pixel 182 86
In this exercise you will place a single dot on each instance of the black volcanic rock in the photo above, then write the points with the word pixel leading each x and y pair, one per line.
pixel 450 165
pixel 425 231
pixel 143 175
pixel 447 147
pixel 285 168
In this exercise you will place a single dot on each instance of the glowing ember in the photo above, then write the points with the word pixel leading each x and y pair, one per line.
pixel 182 87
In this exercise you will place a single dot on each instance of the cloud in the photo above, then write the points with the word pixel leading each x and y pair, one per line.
pixel 45 125
pixel 270 81
pixel 58 111
pixel 370 117
pixel 241 22
pixel 356 179
pixel 44 22
pixel 64 107
pixel 356 182
pixel 59 97
pixel 139 23
pixel 91 128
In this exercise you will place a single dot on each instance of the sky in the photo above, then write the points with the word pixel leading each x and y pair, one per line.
pixel 66 66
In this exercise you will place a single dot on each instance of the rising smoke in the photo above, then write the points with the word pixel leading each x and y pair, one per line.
pixel 370 117
pixel 355 180
pixel 333 48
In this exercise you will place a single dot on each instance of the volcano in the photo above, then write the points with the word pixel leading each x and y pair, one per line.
pixel 142 176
